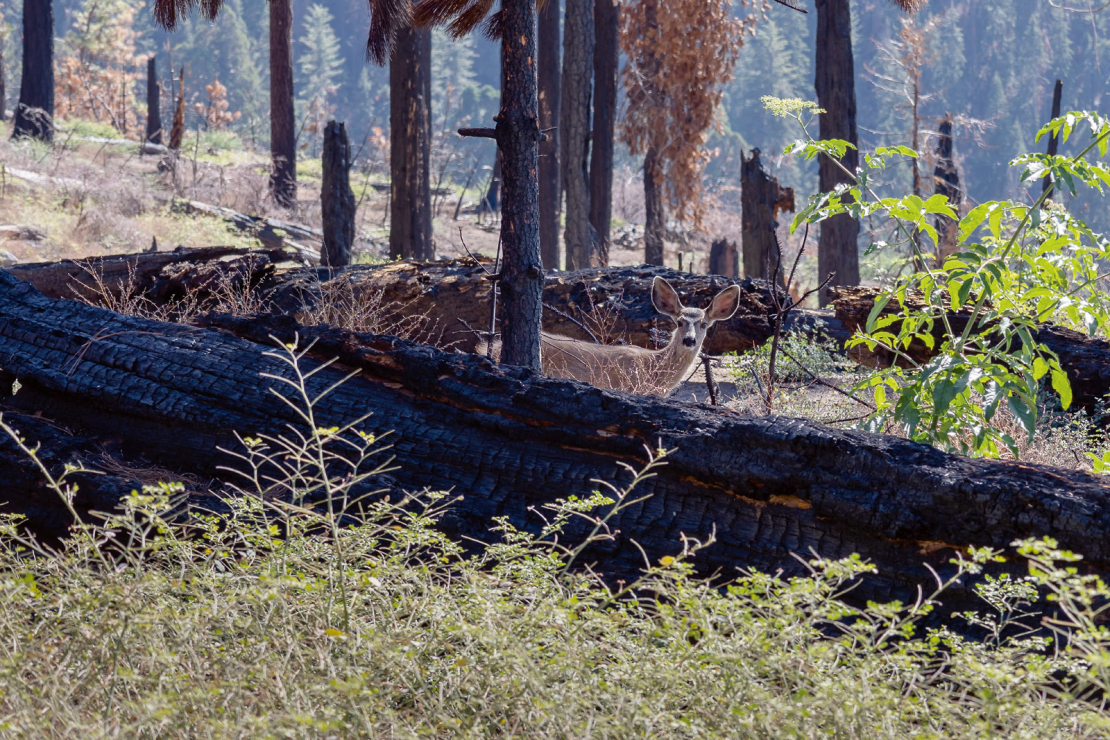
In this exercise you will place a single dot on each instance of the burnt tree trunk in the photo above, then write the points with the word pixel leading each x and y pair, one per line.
pixel 491 203
pixel 153 102
pixel 337 200
pixel 3 83
pixel 1053 140
pixel 518 134
pixel 947 180
pixel 549 101
pixel 654 220
pixel 34 116
pixel 761 198
pixel 509 441
pixel 177 130
pixel 836 94
pixel 724 259
pixel 283 128
pixel 574 121
pixel 410 142
pixel 606 65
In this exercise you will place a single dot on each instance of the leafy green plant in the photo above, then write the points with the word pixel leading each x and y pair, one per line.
pixel 1019 265
pixel 270 620
pixel 817 354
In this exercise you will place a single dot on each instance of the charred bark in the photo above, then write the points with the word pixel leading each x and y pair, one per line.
pixel 34 116
pixel 947 180
pixel 410 141
pixel 837 251
pixel 337 200
pixel 1054 139
pixel 518 134
pixel 451 296
pixel 507 441
pixel 146 273
pixel 761 199
pixel 283 128
pixel 549 81
pixel 579 238
pixel 606 65
pixel 153 102
pixel 724 259
pixel 654 220
pixel 3 82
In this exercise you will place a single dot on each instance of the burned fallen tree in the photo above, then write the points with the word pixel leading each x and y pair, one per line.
pixel 613 304
pixel 1086 360
pixel 507 441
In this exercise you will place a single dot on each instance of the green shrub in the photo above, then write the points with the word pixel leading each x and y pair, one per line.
pixel 273 621
pixel 1018 265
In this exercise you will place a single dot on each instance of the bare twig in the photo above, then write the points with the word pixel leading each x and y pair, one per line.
pixel 573 320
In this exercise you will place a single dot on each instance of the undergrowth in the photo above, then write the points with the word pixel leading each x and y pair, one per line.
pixel 272 620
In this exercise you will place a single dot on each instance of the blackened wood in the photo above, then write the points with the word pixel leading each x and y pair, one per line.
pixel 761 198
pixel 947 180
pixel 153 102
pixel 549 81
pixel 1053 140
pixel 579 237
pixel 410 136
pixel 518 133
pixel 3 83
pixel 615 301
pixel 507 441
pixel 34 116
pixel 837 251
pixel 1086 360
pixel 491 201
pixel 337 200
pixel 283 130
pixel 177 130
pixel 724 259
pixel 606 65
pixel 654 220
pixel 74 278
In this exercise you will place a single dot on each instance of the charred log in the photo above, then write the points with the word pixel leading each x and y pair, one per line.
pixel 507 440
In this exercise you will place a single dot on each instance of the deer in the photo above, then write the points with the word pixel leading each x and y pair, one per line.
pixel 637 369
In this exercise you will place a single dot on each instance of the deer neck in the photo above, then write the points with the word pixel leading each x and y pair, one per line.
pixel 676 359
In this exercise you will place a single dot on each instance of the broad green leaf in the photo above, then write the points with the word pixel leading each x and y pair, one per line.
pixel 1062 386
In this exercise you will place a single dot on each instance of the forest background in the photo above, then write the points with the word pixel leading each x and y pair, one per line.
pixel 990 64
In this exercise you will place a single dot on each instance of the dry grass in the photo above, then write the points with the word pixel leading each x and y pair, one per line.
pixel 386 629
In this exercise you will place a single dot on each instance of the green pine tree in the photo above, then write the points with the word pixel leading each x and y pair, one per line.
pixel 319 60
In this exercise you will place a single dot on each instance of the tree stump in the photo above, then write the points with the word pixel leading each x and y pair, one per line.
pixel 761 199
pixel 947 183
pixel 153 102
pixel 724 259
pixel 337 200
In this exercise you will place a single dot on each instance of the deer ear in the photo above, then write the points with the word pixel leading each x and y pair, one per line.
pixel 664 298
pixel 724 305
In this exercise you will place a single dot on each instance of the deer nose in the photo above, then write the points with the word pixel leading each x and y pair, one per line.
pixel 689 341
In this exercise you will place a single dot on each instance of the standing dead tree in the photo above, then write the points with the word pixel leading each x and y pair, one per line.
pixel 550 84
pixel 337 200
pixel 579 237
pixel 762 198
pixel 673 88
pixel 153 102
pixel 410 139
pixel 947 181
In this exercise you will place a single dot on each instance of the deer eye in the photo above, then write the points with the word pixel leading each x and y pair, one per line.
pixel 704 324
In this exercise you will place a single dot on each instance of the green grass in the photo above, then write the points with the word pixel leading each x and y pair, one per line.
pixel 388 629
